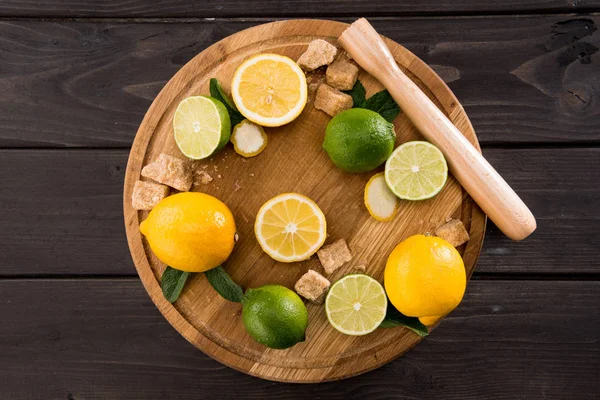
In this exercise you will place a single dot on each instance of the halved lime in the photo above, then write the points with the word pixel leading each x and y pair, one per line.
pixel 416 171
pixel 356 304
pixel 201 126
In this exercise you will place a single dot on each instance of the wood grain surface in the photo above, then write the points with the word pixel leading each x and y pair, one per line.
pixel 87 83
pixel 472 171
pixel 74 77
pixel 293 161
pixel 104 339
pixel 554 182
pixel 288 8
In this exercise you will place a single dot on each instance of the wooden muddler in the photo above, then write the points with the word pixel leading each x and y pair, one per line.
pixel 495 197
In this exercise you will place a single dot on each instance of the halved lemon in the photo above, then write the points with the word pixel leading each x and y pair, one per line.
pixel 356 305
pixel 269 89
pixel 290 227
pixel 379 199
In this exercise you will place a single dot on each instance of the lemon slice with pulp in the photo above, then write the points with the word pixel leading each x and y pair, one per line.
pixel 290 227
pixel 269 89
pixel 379 200
pixel 356 305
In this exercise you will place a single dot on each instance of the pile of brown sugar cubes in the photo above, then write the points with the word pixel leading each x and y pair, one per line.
pixel 341 74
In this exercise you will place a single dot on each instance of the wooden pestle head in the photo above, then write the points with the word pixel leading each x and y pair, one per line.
pixel 367 48
pixel 495 197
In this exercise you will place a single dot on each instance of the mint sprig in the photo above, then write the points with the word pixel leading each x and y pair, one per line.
pixel 394 318
pixel 358 94
pixel 224 285
pixel 172 283
pixel 216 91
pixel 381 102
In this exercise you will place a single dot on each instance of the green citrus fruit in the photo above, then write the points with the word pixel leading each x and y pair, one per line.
pixel 201 126
pixel 356 305
pixel 416 171
pixel 359 140
pixel 274 316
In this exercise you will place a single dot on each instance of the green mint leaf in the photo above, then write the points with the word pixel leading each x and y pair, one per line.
pixel 235 118
pixel 394 318
pixel 224 285
pixel 358 94
pixel 383 103
pixel 172 283
pixel 216 91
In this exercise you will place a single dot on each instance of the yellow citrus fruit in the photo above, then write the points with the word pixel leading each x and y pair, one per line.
pixel 190 231
pixel 269 89
pixel 425 277
pixel 290 227
pixel 379 199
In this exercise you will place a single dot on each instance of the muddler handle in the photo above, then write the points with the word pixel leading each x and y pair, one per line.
pixel 495 197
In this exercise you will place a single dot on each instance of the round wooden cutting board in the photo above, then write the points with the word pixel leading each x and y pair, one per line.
pixel 293 161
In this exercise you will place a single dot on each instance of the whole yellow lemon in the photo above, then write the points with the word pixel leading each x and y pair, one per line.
pixel 190 231
pixel 425 277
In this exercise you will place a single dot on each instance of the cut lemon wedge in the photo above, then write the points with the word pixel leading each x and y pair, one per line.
pixel 201 126
pixel 269 89
pixel 379 199
pixel 416 171
pixel 290 227
pixel 356 305
pixel 248 139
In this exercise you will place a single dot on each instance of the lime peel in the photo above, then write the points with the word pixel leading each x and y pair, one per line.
pixel 359 140
pixel 274 316
pixel 380 200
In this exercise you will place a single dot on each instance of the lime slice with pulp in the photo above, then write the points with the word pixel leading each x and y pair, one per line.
pixel 416 171
pixel 356 304
pixel 201 126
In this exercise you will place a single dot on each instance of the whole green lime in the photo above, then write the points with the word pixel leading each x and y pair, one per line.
pixel 359 140
pixel 274 316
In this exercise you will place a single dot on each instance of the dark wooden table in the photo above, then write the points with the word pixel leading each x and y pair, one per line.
pixel 76 78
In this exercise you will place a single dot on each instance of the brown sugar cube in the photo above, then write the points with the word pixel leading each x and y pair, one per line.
pixel 319 53
pixel 360 268
pixel 334 255
pixel 342 75
pixel 345 56
pixel 453 232
pixel 331 100
pixel 147 194
pixel 312 286
pixel 205 177
pixel 170 171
